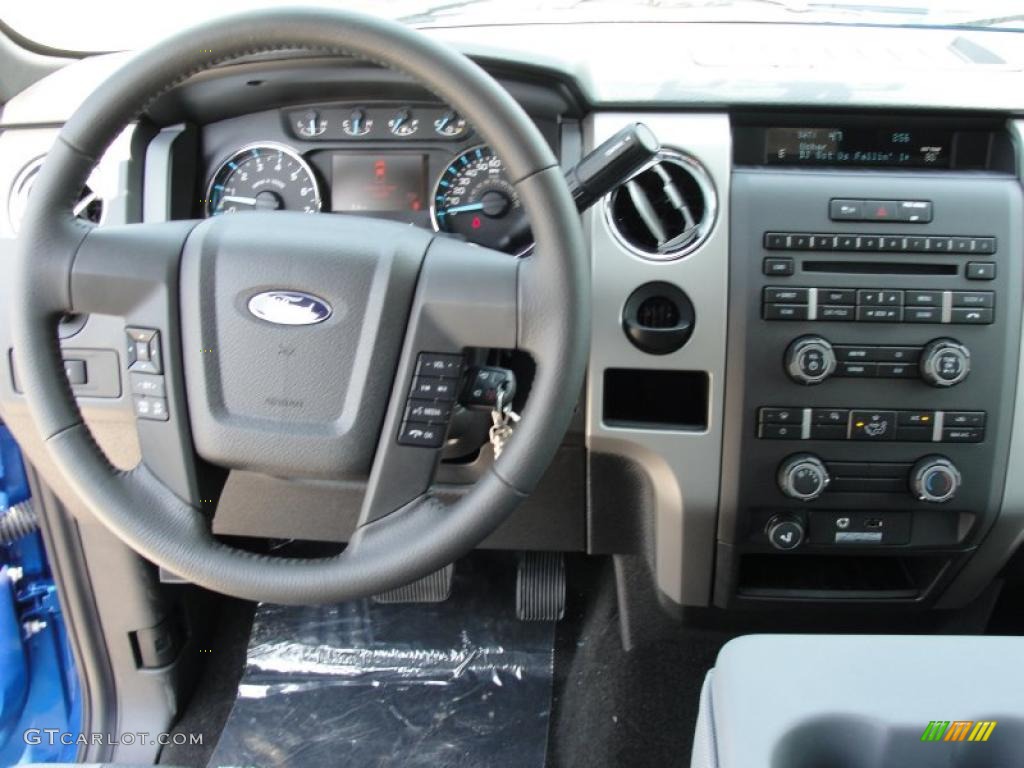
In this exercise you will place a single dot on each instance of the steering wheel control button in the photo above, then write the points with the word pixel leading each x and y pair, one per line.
pixel 785 532
pixel 433 388
pixel 934 479
pixel 484 384
pixel 422 435
pixel 151 408
pixel 144 350
pixel 428 412
pixel 445 366
pixel 945 362
pixel 872 425
pixel 810 360
pixel 803 477
pixel 147 385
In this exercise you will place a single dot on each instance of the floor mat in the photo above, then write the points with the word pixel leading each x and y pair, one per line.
pixel 460 683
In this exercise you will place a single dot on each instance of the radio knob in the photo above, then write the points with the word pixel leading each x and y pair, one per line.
pixel 945 362
pixel 810 360
pixel 803 476
pixel 785 532
pixel 935 479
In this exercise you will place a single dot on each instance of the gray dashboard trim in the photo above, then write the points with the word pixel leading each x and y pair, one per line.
pixel 1007 534
pixel 683 466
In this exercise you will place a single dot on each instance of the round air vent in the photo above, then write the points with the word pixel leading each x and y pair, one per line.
pixel 666 210
pixel 88 207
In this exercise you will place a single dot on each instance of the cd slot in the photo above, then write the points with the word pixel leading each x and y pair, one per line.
pixel 879 268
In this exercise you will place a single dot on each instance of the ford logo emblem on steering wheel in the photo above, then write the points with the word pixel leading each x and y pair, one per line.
pixel 289 308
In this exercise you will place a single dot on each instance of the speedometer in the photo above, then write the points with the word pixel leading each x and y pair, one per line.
pixel 475 198
pixel 263 177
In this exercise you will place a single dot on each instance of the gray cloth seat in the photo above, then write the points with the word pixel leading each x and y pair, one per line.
pixel 860 701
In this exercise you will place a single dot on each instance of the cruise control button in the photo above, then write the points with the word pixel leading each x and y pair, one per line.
pixel 965 316
pixel 781 415
pixel 147 384
pixel 963 435
pixel 785 311
pixel 779 431
pixel 872 425
pixel 973 299
pixel 421 435
pixel 427 411
pixel 151 408
pixel 774 295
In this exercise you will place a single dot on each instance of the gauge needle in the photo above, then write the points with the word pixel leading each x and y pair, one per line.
pixel 242 200
pixel 464 208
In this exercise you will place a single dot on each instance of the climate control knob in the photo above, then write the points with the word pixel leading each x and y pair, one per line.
pixel 945 362
pixel 935 479
pixel 810 360
pixel 803 476
pixel 785 532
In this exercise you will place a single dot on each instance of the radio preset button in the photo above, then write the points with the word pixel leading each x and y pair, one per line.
pixel 981 270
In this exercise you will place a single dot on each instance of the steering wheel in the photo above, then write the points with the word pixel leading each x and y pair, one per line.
pixel 323 400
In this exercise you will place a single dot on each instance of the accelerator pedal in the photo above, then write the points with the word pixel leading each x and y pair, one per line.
pixel 432 588
pixel 540 586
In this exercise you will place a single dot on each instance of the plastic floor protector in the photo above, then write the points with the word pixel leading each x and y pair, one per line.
pixel 459 683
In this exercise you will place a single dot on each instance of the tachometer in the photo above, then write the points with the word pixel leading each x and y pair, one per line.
pixel 263 177
pixel 475 198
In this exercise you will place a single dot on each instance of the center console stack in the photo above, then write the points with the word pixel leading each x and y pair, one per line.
pixel 875 312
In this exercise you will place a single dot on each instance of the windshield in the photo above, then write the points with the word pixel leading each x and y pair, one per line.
pixel 126 24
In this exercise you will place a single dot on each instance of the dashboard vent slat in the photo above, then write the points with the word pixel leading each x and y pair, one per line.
pixel 665 211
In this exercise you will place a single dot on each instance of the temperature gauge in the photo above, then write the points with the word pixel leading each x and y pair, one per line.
pixel 357 123
pixel 403 123
pixel 450 125
pixel 311 124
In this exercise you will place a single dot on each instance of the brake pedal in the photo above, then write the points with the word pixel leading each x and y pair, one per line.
pixel 432 588
pixel 540 586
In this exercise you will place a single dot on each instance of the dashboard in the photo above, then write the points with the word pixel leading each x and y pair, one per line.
pixel 804 377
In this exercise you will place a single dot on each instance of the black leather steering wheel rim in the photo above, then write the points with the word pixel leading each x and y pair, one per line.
pixel 552 309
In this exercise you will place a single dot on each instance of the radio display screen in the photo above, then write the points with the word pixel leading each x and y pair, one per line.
pixel 378 183
pixel 862 146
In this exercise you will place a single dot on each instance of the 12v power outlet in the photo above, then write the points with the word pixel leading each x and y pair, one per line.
pixel 658 318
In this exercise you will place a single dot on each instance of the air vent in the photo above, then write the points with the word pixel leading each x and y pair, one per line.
pixel 88 207
pixel 666 210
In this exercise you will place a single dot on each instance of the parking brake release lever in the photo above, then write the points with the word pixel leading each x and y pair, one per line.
pixel 610 164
